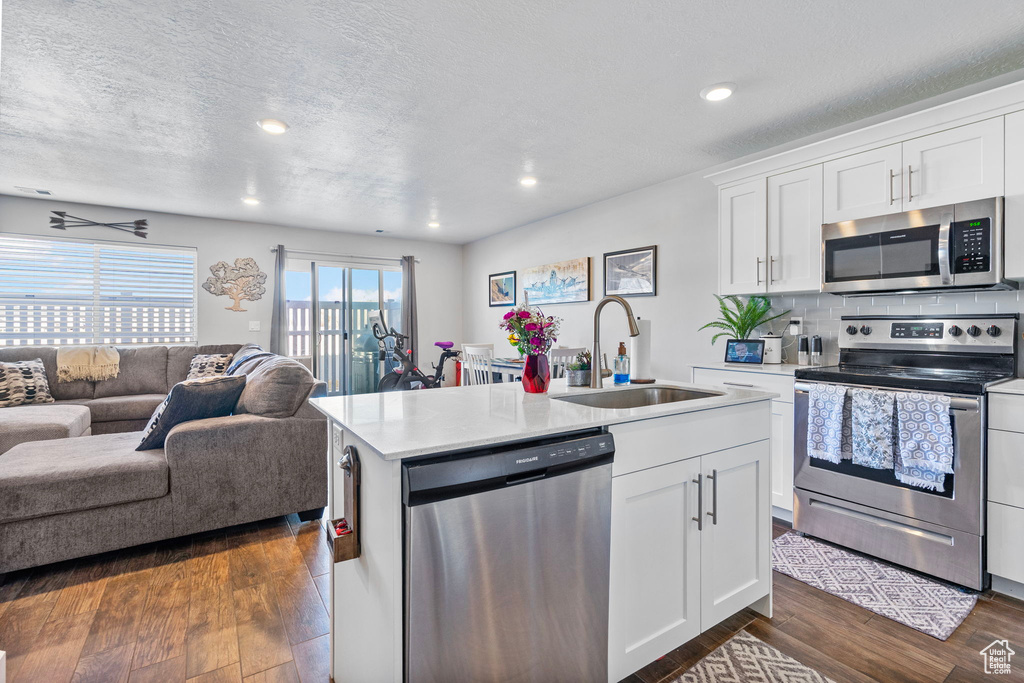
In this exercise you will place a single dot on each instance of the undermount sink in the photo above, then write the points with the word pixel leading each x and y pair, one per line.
pixel 637 398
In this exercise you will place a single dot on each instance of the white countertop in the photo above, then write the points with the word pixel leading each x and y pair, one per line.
pixel 772 369
pixel 407 424
pixel 1014 386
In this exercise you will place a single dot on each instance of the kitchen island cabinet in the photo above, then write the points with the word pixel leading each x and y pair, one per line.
pixel 671 576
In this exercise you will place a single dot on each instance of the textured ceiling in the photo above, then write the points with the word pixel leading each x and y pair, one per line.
pixel 407 109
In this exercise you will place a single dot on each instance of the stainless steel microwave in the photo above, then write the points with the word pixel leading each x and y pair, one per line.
pixel 958 247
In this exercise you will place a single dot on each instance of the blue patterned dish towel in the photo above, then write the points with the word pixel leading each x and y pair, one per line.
pixel 925 440
pixel 825 422
pixel 872 415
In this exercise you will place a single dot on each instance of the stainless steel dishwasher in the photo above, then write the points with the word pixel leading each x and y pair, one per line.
pixel 506 552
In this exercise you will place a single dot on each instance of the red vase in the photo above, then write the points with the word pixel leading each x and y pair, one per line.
pixel 536 374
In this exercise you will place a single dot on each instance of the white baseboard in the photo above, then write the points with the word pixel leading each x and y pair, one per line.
pixel 999 585
pixel 782 514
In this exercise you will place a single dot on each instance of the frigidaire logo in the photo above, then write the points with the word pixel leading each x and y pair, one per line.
pixel 522 460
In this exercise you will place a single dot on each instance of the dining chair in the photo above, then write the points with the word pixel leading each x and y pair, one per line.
pixel 477 363
pixel 559 358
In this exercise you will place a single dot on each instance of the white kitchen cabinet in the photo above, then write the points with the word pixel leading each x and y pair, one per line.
pixel 1014 208
pixel 794 230
pixel 735 542
pixel 955 165
pixel 862 185
pixel 1005 550
pixel 654 602
pixel 742 215
pixel 782 455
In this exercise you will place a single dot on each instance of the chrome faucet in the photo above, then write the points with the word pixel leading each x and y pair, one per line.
pixel 596 380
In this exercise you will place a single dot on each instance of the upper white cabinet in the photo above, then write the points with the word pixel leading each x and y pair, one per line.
pixel 862 185
pixel 741 233
pixel 1014 216
pixel 955 165
pixel 794 230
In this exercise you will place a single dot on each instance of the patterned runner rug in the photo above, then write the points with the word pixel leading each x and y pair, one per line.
pixel 922 604
pixel 746 659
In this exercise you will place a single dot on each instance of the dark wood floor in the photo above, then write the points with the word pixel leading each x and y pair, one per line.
pixel 848 643
pixel 247 603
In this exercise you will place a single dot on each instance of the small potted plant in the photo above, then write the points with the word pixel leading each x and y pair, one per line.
pixel 739 319
pixel 577 373
pixel 532 333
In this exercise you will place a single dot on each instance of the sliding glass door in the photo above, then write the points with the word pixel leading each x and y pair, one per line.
pixel 336 299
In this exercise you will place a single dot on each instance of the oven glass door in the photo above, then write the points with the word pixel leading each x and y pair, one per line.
pixel 908 253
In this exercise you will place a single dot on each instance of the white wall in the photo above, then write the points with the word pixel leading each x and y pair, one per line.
pixel 438 274
pixel 679 216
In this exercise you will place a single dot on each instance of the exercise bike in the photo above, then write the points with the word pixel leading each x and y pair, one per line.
pixel 408 376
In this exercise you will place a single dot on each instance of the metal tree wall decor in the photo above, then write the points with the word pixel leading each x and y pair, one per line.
pixel 242 282
pixel 59 221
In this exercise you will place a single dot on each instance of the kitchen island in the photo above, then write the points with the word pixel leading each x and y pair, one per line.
pixel 680 526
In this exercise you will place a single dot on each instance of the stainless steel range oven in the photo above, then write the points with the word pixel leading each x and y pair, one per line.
pixel 870 510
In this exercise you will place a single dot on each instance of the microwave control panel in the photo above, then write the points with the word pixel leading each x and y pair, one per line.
pixel 972 245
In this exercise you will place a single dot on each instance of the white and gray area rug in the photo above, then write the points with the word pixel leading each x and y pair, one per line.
pixel 746 659
pixel 915 601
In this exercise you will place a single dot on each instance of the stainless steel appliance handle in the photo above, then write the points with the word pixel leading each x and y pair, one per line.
pixel 910 183
pixel 759 270
pixel 714 496
pixel 943 252
pixel 892 195
pixel 955 402
pixel 699 481
pixel 739 384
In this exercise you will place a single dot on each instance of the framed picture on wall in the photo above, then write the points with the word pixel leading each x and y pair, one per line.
pixel 503 289
pixel 565 282
pixel 633 272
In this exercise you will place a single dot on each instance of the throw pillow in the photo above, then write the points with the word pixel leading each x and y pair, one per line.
pixel 208 365
pixel 247 352
pixel 193 399
pixel 23 383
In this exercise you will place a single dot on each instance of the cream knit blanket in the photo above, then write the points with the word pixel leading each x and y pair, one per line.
pixel 87 362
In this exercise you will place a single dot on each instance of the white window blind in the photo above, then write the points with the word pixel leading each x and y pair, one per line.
pixel 67 291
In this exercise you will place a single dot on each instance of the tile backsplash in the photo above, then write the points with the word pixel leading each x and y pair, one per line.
pixel 822 313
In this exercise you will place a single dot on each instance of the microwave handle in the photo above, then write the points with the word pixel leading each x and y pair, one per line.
pixel 944 255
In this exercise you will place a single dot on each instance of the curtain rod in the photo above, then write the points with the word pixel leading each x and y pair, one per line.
pixel 273 250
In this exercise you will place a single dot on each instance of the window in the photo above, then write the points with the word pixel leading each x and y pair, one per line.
pixel 67 291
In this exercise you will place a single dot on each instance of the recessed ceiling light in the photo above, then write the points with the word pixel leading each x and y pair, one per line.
pixel 527 181
pixel 433 224
pixel 273 126
pixel 251 201
pixel 718 91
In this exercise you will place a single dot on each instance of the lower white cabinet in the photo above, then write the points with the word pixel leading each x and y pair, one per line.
pixel 689 548
pixel 782 455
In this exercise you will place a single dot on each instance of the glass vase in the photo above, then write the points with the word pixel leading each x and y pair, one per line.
pixel 536 374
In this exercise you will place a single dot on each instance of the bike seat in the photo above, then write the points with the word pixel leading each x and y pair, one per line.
pixel 444 345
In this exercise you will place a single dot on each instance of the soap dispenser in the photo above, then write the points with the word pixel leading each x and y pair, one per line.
pixel 621 374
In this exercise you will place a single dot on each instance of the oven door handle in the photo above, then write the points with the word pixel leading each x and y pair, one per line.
pixel 955 402
pixel 945 273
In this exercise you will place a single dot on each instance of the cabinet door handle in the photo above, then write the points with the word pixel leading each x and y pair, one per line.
pixel 892 194
pixel 759 259
pixel 739 384
pixel 699 481
pixel 714 497
pixel 910 183
pixel 771 270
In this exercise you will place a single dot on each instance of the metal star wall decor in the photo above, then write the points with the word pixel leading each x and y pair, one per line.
pixel 60 221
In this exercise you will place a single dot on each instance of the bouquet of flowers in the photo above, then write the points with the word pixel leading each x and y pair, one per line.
pixel 530 330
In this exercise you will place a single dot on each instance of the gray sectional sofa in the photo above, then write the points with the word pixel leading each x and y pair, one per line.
pixel 72 483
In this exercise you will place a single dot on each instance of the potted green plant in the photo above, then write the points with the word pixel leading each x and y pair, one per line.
pixel 739 319
pixel 577 373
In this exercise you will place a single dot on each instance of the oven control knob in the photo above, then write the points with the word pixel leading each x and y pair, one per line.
pixel 865 330
pixel 974 330
pixel 955 331
pixel 994 331
pixel 850 329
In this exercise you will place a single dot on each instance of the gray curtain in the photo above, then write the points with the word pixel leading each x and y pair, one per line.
pixel 279 317
pixel 410 320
